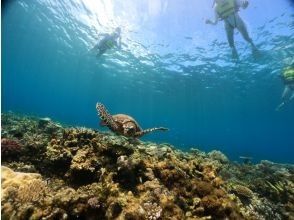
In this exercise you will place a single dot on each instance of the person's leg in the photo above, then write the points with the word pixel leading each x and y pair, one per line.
pixel 230 37
pixel 243 30
pixel 292 95
pixel 285 94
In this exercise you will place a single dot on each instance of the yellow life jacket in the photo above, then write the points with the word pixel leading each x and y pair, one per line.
pixel 288 74
pixel 225 8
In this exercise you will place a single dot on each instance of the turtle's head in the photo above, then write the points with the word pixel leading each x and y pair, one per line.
pixel 129 130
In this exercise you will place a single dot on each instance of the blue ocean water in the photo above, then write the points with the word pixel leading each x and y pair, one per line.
pixel 173 70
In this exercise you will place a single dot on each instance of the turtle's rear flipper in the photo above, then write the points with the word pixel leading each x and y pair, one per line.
pixel 105 117
pixel 149 130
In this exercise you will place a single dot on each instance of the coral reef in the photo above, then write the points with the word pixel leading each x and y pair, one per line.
pixel 26 189
pixel 10 148
pixel 243 191
pixel 264 190
pixel 80 173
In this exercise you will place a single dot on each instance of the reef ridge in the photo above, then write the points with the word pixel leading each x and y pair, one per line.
pixel 52 171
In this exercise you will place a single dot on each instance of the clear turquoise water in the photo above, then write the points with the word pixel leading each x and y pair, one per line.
pixel 173 70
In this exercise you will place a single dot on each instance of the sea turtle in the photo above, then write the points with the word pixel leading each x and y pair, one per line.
pixel 123 124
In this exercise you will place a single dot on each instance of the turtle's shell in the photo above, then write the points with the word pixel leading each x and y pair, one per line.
pixel 127 125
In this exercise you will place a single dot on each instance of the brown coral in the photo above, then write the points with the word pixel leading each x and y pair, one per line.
pixel 97 175
pixel 10 148
pixel 153 210
pixel 21 188
pixel 84 166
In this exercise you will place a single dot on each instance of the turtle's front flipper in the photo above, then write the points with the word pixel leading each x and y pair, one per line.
pixel 146 131
pixel 106 117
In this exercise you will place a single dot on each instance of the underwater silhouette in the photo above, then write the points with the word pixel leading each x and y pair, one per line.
pixel 108 41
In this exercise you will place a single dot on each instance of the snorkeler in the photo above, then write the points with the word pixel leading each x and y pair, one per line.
pixel 108 42
pixel 288 80
pixel 227 10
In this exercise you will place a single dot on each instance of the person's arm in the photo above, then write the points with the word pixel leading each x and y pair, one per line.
pixel 215 21
pixel 119 42
pixel 292 96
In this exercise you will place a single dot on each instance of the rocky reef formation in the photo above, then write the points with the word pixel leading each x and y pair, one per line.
pixel 78 173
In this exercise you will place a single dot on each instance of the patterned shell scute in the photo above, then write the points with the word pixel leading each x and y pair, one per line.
pixel 126 125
